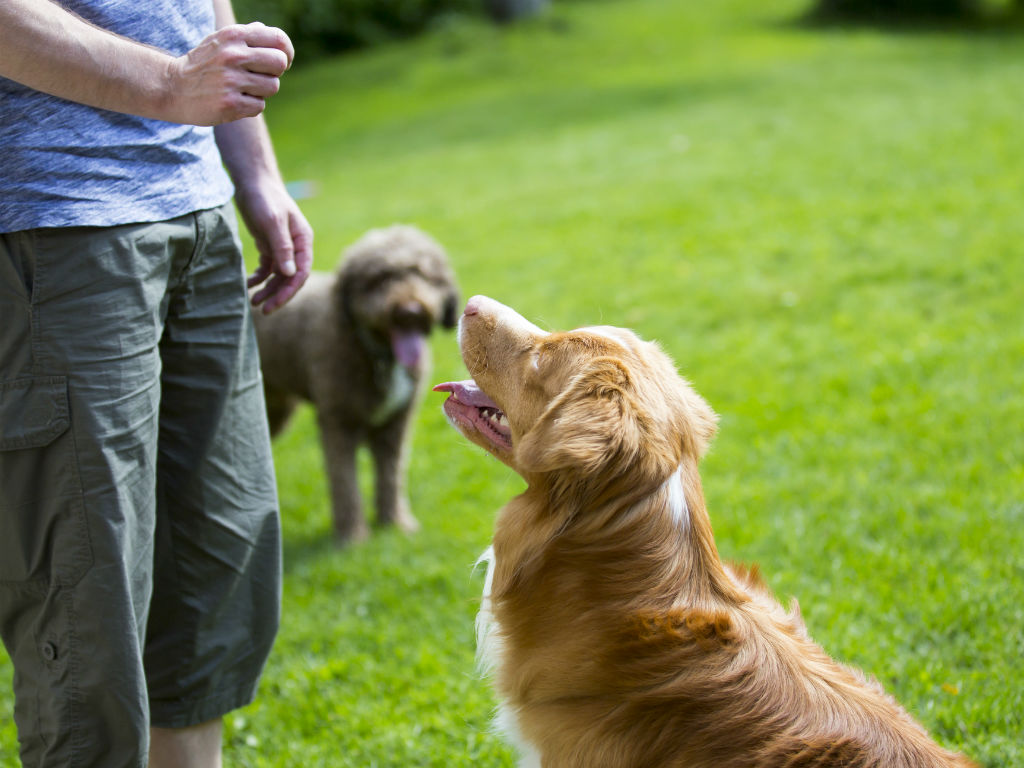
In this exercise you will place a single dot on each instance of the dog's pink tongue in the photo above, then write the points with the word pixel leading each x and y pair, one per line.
pixel 408 347
pixel 467 392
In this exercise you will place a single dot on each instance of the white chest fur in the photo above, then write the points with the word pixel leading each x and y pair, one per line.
pixel 489 657
pixel 401 389
pixel 489 640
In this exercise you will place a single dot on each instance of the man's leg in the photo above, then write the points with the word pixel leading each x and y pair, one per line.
pixel 196 747
pixel 79 416
pixel 217 574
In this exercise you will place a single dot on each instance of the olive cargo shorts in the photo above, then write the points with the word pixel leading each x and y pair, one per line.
pixel 139 533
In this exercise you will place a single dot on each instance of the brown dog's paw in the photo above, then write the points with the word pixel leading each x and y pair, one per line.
pixel 407 523
pixel 351 534
pixel 401 518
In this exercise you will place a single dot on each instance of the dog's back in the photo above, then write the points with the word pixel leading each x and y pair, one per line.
pixel 607 662
pixel 293 335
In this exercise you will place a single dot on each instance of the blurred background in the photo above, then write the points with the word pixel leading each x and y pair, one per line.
pixel 320 27
pixel 815 208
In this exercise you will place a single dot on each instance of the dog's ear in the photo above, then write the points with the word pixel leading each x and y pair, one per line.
pixel 344 291
pixel 699 421
pixel 450 310
pixel 590 426
pixel 689 414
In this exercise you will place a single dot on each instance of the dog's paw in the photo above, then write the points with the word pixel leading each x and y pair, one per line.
pixel 351 533
pixel 400 517
pixel 407 523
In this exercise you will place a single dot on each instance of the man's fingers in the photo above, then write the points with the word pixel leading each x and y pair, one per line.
pixel 285 244
pixel 260 86
pixel 302 242
pixel 261 273
pixel 286 266
pixel 265 292
pixel 277 291
pixel 225 78
pixel 267 61
pixel 282 284
pixel 243 105
pixel 258 35
pixel 281 251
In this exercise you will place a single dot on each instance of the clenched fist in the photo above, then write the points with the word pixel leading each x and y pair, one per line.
pixel 228 76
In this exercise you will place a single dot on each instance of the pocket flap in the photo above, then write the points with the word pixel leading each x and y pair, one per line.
pixel 33 411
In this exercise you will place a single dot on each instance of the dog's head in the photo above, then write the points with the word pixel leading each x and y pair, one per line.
pixel 595 407
pixel 394 285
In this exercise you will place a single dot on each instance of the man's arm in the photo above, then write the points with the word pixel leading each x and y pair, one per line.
pixel 283 237
pixel 228 76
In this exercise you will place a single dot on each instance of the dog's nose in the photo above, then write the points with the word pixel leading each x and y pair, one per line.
pixel 410 314
pixel 486 307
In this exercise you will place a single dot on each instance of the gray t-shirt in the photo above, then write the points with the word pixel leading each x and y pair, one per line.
pixel 65 164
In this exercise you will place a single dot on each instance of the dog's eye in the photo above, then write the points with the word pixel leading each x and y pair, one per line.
pixel 377 281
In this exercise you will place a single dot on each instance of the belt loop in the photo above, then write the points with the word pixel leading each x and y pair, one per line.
pixel 199 245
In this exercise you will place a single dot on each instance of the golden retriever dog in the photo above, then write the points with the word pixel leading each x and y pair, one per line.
pixel 354 344
pixel 616 636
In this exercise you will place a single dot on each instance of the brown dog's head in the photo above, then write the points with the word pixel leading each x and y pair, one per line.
pixel 588 407
pixel 394 285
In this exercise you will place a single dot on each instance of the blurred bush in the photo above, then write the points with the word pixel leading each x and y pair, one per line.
pixel 504 11
pixel 894 7
pixel 327 26
pixel 915 8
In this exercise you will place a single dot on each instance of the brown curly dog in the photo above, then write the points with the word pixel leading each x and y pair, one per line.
pixel 354 343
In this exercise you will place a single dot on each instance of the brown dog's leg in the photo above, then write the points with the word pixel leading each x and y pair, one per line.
pixel 386 446
pixel 279 409
pixel 340 443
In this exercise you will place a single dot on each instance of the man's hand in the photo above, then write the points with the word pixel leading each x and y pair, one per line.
pixel 283 237
pixel 228 76
pixel 284 241
pixel 224 81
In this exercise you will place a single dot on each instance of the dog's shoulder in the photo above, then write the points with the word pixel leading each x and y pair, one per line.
pixel 750 580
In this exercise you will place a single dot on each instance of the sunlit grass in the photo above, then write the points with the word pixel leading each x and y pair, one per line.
pixel 822 227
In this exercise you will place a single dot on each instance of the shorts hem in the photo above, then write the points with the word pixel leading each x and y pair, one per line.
pixel 186 713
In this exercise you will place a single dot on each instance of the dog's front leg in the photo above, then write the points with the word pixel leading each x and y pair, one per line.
pixel 389 459
pixel 280 406
pixel 340 442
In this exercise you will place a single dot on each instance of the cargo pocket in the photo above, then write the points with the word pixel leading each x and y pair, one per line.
pixel 43 533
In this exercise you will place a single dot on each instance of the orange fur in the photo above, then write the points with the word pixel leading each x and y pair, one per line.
pixel 623 639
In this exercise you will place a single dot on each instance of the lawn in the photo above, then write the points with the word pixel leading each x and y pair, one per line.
pixel 822 226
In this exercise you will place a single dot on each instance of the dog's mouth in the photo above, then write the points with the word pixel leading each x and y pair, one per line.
pixel 470 408
pixel 408 346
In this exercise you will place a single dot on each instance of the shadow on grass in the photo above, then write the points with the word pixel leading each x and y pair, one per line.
pixel 308 546
pixel 550 109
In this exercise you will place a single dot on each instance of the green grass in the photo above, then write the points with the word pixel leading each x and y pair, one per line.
pixel 824 229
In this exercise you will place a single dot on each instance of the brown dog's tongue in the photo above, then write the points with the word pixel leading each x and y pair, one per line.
pixel 408 347
pixel 467 392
